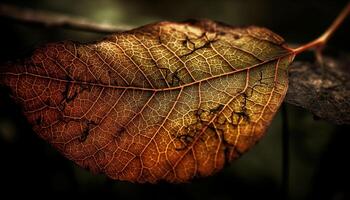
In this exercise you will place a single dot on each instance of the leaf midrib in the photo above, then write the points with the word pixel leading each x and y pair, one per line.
pixel 150 89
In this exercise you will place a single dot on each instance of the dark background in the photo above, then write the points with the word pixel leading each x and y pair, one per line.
pixel 319 153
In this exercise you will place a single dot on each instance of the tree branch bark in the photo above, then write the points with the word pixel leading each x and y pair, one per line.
pixel 51 19
pixel 322 90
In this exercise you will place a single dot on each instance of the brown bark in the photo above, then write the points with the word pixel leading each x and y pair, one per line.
pixel 322 90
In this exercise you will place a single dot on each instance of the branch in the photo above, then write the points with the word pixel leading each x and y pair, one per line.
pixel 50 19
pixel 322 90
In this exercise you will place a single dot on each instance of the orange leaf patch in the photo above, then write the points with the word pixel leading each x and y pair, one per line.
pixel 167 101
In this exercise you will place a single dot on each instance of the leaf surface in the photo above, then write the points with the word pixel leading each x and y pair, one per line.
pixel 167 101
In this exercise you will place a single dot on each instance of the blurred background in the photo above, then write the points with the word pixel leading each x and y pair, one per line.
pixel 319 153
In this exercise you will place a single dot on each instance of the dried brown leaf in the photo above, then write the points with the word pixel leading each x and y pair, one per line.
pixel 167 101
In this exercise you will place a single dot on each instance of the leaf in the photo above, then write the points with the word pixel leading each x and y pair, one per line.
pixel 322 90
pixel 167 101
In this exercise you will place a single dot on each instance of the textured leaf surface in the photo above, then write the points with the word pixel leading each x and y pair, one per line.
pixel 167 101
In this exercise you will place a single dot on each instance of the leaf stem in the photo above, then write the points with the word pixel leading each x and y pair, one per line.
pixel 321 41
